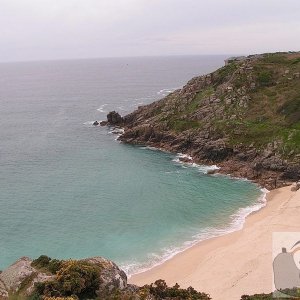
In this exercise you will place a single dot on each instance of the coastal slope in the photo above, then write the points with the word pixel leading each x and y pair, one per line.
pixel 244 117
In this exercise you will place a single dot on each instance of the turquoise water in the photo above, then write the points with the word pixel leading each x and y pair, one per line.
pixel 69 189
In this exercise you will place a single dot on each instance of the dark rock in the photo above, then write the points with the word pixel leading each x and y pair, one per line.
pixel 212 171
pixel 96 123
pixel 291 173
pixel 103 123
pixel 114 118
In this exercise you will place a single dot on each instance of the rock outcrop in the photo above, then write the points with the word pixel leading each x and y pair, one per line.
pixel 111 276
pixel 90 278
pixel 244 117
pixel 114 118
pixel 22 276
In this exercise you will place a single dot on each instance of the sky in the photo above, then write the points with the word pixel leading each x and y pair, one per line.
pixel 60 29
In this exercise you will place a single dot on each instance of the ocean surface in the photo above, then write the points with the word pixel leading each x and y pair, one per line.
pixel 70 190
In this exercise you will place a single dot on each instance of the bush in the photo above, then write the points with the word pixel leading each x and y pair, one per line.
pixel 160 290
pixel 74 278
pixel 48 264
pixel 265 78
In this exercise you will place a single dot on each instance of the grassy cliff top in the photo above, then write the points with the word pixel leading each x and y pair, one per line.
pixel 253 102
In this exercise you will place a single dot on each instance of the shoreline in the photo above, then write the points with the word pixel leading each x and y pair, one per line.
pixel 207 266
pixel 236 224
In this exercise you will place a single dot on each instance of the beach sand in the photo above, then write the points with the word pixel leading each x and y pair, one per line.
pixel 238 263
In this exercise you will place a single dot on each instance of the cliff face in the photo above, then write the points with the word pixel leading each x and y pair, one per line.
pixel 244 117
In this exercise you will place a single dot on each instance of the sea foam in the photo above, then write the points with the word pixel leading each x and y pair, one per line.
pixel 101 108
pixel 237 222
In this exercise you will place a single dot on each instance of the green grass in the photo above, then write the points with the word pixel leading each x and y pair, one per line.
pixel 291 109
pixel 225 72
pixel 183 125
pixel 275 58
pixel 194 105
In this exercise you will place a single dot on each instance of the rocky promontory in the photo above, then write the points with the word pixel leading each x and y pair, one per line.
pixel 91 278
pixel 244 117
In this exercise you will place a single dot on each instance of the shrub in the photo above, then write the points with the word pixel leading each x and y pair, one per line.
pixel 48 264
pixel 74 278
pixel 160 290
pixel 265 78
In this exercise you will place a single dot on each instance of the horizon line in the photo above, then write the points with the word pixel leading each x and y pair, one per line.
pixel 112 57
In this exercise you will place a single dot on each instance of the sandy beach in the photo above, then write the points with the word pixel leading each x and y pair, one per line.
pixel 237 263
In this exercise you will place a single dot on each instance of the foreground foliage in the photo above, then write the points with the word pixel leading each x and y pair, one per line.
pixel 73 278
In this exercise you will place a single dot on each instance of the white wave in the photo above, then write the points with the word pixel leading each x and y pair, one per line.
pixel 181 155
pixel 155 149
pixel 121 108
pixel 202 168
pixel 239 218
pixel 237 223
pixel 88 123
pixel 117 131
pixel 167 91
pixel 101 108
pixel 150 148
pixel 172 172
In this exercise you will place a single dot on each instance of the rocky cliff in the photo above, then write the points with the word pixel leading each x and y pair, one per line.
pixel 92 278
pixel 244 117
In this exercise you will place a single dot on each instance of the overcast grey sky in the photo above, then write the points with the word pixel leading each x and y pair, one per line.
pixel 55 29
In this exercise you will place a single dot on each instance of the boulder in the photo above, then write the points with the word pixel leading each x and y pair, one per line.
pixel 111 277
pixel 96 123
pixel 103 123
pixel 114 118
pixel 295 186
pixel 13 278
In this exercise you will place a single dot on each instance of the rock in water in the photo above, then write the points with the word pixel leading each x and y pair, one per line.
pixel 114 118
pixel 96 123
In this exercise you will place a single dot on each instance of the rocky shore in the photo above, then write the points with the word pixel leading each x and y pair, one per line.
pixel 243 117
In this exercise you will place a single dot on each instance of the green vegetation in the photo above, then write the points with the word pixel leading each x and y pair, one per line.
pixel 291 109
pixel 295 293
pixel 272 111
pixel 224 73
pixel 160 290
pixel 78 279
pixel 265 78
pixel 182 125
pixel 46 264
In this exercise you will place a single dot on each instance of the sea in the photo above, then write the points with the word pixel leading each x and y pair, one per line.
pixel 69 189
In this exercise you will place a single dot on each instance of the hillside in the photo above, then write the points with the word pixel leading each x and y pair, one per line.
pixel 244 117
